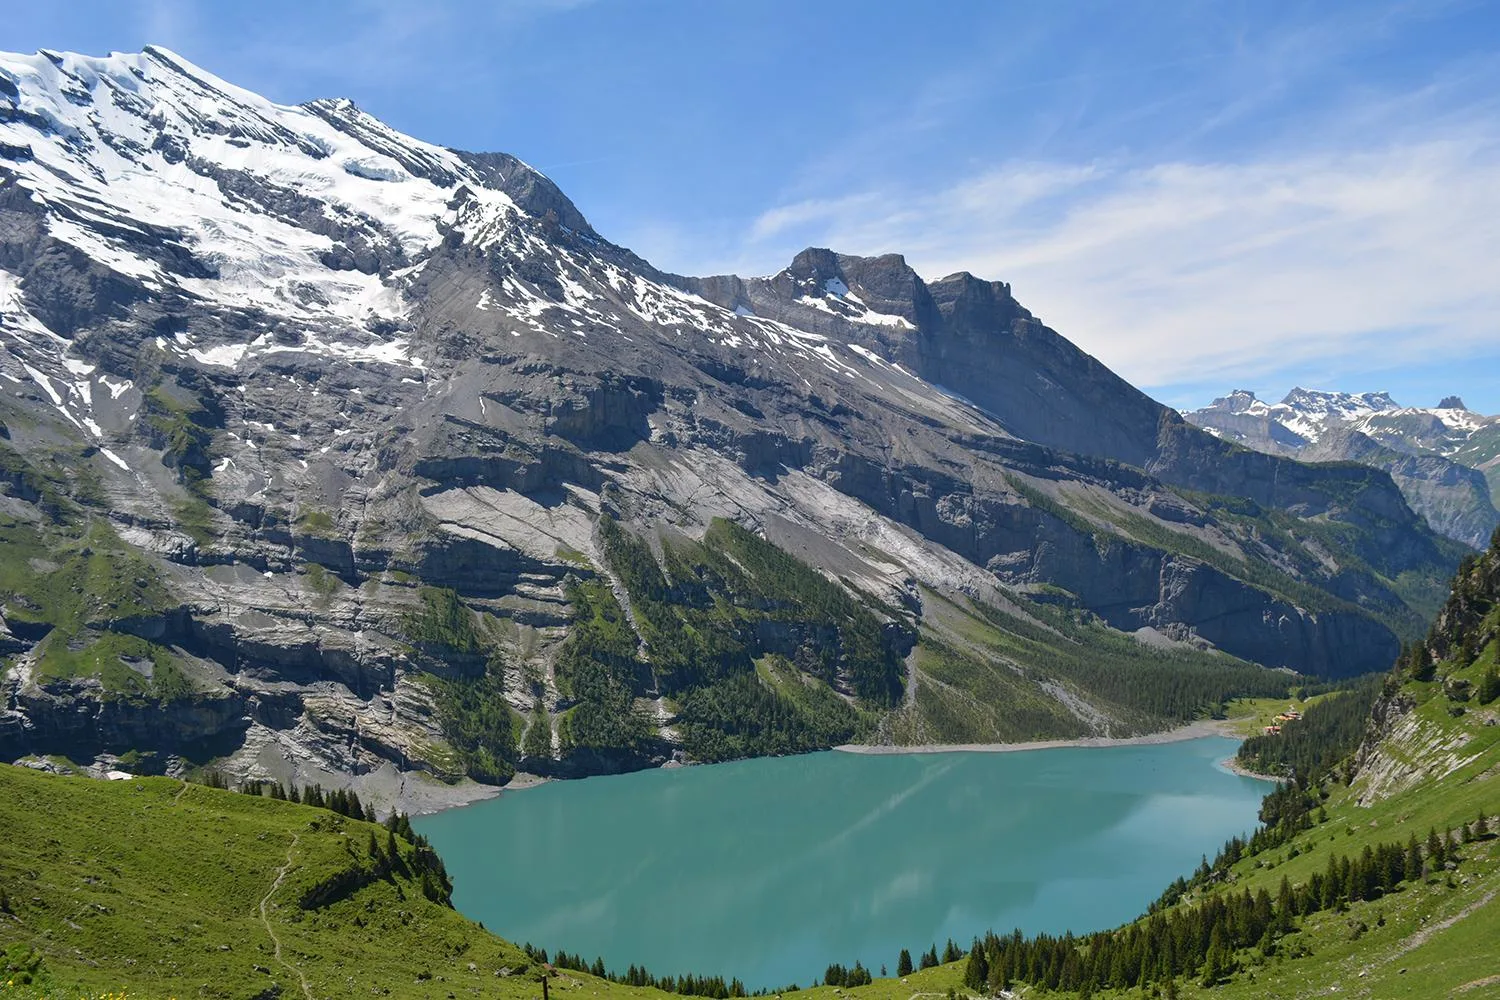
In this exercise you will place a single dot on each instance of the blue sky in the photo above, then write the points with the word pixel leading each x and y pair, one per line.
pixel 1206 195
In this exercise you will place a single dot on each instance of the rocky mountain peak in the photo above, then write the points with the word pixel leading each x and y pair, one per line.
pixel 1322 403
pixel 533 191
pixel 815 265
pixel 1238 401
pixel 1441 458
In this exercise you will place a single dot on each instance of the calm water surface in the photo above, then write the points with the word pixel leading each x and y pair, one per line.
pixel 770 869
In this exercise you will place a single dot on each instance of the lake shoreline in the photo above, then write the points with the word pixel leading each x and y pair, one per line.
pixel 1233 765
pixel 1191 731
pixel 1072 839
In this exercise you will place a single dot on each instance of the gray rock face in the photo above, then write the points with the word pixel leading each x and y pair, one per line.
pixel 304 367
pixel 1439 459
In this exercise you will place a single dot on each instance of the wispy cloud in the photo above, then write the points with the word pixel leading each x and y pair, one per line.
pixel 1193 270
pixel 172 23
pixel 1274 205
pixel 373 47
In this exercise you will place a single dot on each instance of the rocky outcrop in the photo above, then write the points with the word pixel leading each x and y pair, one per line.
pixel 77 719
pixel 1454 498
pixel 1427 453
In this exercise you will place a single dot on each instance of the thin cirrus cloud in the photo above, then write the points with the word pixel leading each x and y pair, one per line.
pixel 1185 271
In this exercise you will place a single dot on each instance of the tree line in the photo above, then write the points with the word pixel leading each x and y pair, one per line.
pixel 858 975
pixel 1203 941
pixel 714 987
pixel 421 864
pixel 1328 732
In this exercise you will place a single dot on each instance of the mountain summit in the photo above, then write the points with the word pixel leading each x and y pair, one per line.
pixel 1446 460
pixel 334 454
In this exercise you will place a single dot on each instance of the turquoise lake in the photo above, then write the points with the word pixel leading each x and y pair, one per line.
pixel 770 869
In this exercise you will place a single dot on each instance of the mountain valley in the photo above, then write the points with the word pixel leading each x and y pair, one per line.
pixel 106 883
pixel 332 456
pixel 348 479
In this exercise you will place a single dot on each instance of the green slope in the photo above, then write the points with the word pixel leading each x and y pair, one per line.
pixel 163 889
pixel 153 888
pixel 180 889
pixel 760 653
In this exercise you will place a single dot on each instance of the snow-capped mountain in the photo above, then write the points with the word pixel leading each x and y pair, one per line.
pixel 331 432
pixel 1446 458
pixel 1305 413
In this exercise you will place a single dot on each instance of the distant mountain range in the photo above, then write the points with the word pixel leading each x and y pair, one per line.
pixel 334 455
pixel 1446 458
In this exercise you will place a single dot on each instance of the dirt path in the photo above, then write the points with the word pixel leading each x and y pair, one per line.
pixel 178 797
pixel 265 901
pixel 1476 984
pixel 1418 939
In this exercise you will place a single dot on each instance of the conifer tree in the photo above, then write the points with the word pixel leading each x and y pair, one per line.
pixel 1284 906
pixel 977 971
pixel 1215 963
pixel 538 739
pixel 903 964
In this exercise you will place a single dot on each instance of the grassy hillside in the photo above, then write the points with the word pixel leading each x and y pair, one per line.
pixel 168 889
pixel 177 889
pixel 758 653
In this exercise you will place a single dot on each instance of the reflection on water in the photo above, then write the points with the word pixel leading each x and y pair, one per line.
pixel 770 869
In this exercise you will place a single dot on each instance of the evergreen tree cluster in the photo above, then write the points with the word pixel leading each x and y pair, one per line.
pixel 837 975
pixel 857 975
pixel 538 739
pixel 1466 625
pixel 706 611
pixel 477 722
pixel 345 802
pixel 442 623
pixel 742 717
pixel 421 863
pixel 597 667
pixel 714 987
pixel 469 694
pixel 1489 687
pixel 1313 745
pixel 1204 941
